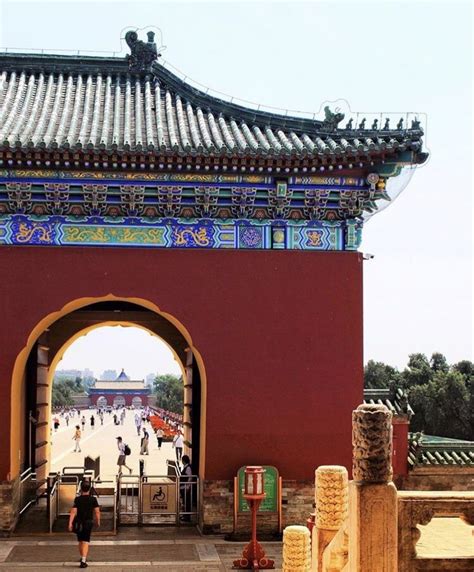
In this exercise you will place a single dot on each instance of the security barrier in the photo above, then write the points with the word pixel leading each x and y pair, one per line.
pixel 157 499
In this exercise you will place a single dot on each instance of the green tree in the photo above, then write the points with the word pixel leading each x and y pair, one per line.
pixel 442 406
pixel 417 372
pixel 378 374
pixel 439 363
pixel 62 393
pixel 170 392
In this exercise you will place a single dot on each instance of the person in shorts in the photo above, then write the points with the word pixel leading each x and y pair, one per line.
pixel 122 457
pixel 81 519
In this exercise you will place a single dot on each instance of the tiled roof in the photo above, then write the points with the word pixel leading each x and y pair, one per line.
pixel 394 399
pixel 118 385
pixel 431 450
pixel 86 103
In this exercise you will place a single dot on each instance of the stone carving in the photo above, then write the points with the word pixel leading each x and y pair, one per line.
pixel 331 496
pixel 371 441
pixel 143 53
pixel 296 549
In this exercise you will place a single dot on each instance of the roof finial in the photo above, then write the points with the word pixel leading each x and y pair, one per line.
pixel 143 53
pixel 331 120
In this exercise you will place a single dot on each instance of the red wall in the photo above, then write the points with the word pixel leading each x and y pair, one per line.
pixel 400 447
pixel 280 333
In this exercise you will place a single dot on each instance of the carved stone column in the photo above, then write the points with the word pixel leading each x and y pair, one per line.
pixel 296 549
pixel 331 499
pixel 373 525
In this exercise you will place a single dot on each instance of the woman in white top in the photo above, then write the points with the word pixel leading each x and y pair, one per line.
pixel 178 442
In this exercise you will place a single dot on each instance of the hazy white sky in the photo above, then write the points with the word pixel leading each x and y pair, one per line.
pixel 133 349
pixel 379 56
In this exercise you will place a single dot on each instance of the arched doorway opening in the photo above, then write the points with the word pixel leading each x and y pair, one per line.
pixel 49 345
pixel 102 401
pixel 119 401
pixel 137 402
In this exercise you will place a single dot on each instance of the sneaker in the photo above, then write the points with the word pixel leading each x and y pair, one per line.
pixel 83 564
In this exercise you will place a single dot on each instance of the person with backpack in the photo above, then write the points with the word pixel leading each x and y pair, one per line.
pixel 124 451
pixel 81 519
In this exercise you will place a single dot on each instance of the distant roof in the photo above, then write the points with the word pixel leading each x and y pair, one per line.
pixel 122 376
pixel 395 399
pixel 116 105
pixel 435 450
pixel 118 385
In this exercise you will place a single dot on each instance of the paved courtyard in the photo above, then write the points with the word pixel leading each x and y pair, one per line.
pixel 101 441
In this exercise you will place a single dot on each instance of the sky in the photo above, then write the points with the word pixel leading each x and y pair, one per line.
pixel 132 349
pixel 377 56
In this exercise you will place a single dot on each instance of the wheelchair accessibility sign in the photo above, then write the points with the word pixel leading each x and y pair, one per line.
pixel 159 498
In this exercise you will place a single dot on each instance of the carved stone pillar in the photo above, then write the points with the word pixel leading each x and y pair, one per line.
pixel 373 525
pixel 296 549
pixel 331 499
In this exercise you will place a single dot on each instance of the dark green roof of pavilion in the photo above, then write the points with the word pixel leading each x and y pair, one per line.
pixel 55 102
pixel 435 450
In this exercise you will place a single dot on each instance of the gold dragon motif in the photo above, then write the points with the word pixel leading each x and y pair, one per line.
pixel 198 236
pixel 26 233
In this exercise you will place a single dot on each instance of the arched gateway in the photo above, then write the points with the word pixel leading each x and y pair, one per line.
pixel 127 195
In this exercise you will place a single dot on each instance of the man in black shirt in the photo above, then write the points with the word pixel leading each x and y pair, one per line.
pixel 81 519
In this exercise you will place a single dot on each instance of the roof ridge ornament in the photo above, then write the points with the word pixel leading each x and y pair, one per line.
pixel 331 120
pixel 143 53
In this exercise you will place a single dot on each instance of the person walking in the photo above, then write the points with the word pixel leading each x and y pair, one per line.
pixel 83 422
pixel 178 442
pixel 92 422
pixel 144 443
pixel 159 437
pixel 122 456
pixel 56 424
pixel 81 519
pixel 67 419
pixel 101 416
pixel 77 437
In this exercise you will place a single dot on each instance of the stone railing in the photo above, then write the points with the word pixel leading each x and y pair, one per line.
pixel 366 525
pixel 418 508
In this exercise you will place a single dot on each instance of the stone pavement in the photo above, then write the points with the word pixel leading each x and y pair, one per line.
pixel 185 550
pixel 101 441
pixel 201 555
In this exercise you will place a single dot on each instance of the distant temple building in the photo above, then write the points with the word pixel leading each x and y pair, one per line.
pixel 121 391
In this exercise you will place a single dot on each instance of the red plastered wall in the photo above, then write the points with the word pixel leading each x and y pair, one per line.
pixel 280 334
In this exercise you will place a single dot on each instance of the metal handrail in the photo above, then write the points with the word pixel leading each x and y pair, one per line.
pixel 53 511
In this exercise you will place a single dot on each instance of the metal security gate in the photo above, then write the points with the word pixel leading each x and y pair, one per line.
pixel 157 499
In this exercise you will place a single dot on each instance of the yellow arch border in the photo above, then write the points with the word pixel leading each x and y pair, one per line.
pixel 18 375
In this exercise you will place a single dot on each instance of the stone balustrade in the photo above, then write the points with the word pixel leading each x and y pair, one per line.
pixel 419 507
pixel 377 530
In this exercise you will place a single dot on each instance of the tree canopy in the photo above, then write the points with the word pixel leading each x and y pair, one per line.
pixel 441 395
pixel 169 392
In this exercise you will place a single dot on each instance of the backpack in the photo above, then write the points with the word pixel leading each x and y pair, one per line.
pixel 127 450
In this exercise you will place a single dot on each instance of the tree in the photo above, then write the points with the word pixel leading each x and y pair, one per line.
pixel 378 375
pixel 61 394
pixel 170 392
pixel 442 406
pixel 439 363
pixel 109 375
pixel 418 371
